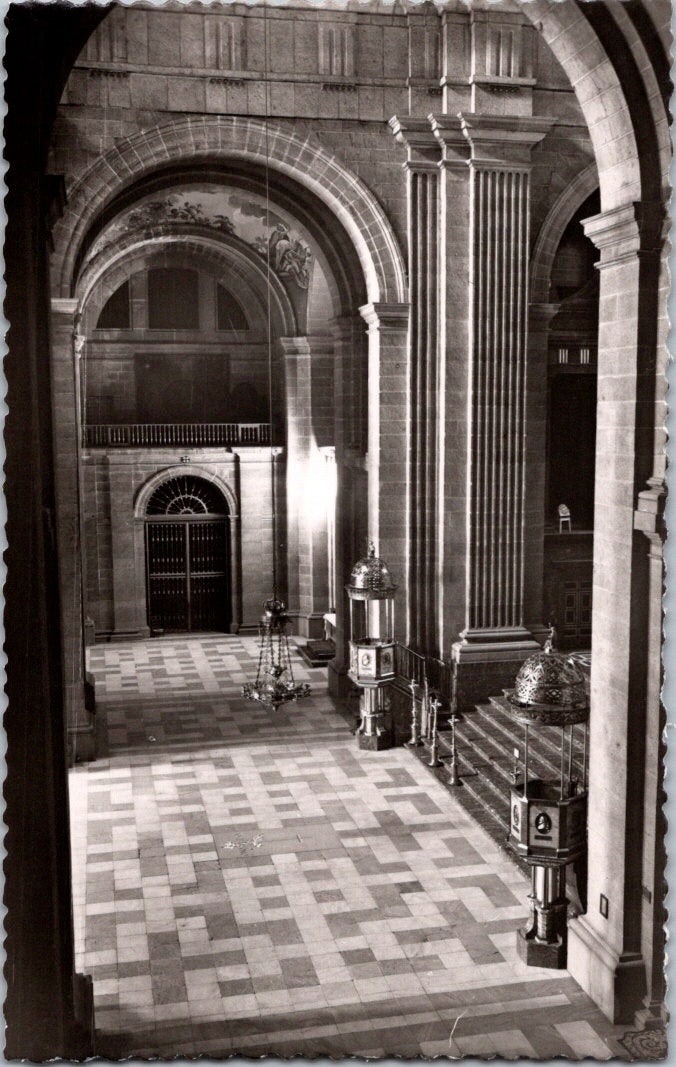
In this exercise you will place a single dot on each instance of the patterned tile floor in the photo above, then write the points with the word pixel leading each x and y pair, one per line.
pixel 252 883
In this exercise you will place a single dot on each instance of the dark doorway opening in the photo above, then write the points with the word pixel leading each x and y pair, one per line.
pixel 572 447
pixel 187 538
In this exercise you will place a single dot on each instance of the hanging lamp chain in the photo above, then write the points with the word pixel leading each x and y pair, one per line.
pixel 275 684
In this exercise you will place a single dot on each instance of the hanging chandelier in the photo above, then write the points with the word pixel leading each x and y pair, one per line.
pixel 275 684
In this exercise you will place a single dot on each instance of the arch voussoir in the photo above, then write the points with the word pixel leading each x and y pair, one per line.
pixel 228 138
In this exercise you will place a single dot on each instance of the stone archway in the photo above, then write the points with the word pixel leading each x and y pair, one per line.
pixel 551 231
pixel 617 957
pixel 225 138
pixel 327 183
pixel 99 281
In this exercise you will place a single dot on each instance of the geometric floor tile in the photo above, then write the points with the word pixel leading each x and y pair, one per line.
pixel 249 882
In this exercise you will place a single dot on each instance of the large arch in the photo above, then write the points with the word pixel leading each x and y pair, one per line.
pixel 551 231
pixel 40 1012
pixel 617 956
pixel 604 102
pixel 230 263
pixel 233 138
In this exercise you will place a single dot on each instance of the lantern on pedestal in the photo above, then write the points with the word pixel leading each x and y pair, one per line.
pixel 548 817
pixel 371 594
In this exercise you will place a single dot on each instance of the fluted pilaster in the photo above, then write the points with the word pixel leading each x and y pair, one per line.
pixel 425 387
pixel 499 220
pixel 499 200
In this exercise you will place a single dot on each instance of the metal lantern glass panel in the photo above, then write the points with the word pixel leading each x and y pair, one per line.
pixel 371 595
pixel 275 684
pixel 548 816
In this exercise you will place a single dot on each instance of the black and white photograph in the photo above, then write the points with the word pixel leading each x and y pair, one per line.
pixel 335 459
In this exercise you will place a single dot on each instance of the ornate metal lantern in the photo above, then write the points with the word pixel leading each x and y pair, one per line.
pixel 275 684
pixel 371 594
pixel 548 818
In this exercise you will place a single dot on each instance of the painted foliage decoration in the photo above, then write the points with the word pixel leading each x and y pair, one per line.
pixel 218 209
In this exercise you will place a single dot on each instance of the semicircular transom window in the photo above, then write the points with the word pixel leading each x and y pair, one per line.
pixel 187 495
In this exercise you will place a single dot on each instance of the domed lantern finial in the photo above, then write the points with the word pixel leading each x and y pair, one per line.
pixel 550 643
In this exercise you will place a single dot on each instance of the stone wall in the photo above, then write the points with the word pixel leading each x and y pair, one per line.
pixel 114 553
pixel 334 76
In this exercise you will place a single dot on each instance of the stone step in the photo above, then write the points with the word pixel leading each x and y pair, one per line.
pixel 485 741
pixel 496 728
pixel 546 739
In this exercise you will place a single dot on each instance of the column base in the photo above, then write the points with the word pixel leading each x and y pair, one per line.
pixel 541 953
pixel 488 661
pixel 374 742
pixel 80 715
pixel 128 635
pixel 617 983
pixel 82 1035
pixel 340 685
pixel 81 741
pixel 311 626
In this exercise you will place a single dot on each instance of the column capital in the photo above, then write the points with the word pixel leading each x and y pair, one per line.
pixel 503 140
pixel 419 141
pixel 295 346
pixel 385 316
pixel 454 147
pixel 624 232
pixel 65 310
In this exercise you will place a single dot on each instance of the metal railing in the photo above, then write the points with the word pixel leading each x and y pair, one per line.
pixel 188 434
pixel 420 669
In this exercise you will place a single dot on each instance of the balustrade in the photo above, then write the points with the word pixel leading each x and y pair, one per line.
pixel 188 434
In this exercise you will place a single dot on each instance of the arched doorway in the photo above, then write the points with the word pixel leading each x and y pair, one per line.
pixel 187 544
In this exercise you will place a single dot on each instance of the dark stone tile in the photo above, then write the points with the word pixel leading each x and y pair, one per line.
pixel 395 966
pixel 236 987
pixel 173 992
pixel 410 887
pixel 265 983
pixel 358 955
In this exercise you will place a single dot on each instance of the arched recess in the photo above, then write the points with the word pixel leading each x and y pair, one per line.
pixel 139 507
pixel 145 491
pixel 551 231
pixel 230 264
pixel 600 94
pixel 616 954
pixel 223 140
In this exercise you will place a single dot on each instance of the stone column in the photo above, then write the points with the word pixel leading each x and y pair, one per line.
pixel 424 385
pixel 306 517
pixel 66 353
pixel 454 368
pixel 127 548
pixel 535 611
pixel 495 639
pixel 649 519
pixel 607 950
pixel 349 422
pixel 388 474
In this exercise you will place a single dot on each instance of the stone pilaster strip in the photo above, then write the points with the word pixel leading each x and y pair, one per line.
pixel 499 220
